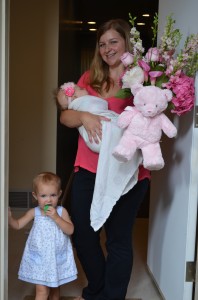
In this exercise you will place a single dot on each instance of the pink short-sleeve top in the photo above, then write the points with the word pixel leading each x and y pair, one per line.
pixel 87 159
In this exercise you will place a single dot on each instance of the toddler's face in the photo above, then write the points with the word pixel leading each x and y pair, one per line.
pixel 47 193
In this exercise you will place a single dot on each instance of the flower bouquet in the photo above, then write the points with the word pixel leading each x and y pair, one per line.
pixel 162 66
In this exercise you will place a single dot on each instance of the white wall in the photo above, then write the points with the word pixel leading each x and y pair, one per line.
pixel 34 27
pixel 173 210
pixel 184 12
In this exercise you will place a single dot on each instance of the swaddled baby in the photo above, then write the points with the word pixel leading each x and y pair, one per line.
pixel 76 98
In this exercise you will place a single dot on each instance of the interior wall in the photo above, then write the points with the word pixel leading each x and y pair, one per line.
pixel 33 78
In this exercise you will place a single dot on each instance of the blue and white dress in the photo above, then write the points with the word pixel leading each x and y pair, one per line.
pixel 48 255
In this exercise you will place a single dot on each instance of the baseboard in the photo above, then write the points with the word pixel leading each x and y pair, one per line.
pixel 71 298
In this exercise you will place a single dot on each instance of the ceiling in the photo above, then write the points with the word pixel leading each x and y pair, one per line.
pixel 103 10
pixel 72 11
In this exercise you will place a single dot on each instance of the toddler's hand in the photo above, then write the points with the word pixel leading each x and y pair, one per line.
pixel 51 212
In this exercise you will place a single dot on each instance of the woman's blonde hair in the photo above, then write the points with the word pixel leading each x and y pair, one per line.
pixel 99 70
pixel 46 177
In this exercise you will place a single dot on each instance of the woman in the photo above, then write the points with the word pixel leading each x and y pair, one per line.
pixel 107 277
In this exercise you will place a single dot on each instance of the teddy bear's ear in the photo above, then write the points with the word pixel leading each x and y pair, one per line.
pixel 168 94
pixel 136 88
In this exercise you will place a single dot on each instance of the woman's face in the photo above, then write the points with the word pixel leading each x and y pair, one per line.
pixel 111 47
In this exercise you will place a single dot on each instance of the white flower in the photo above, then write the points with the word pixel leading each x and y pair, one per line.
pixel 133 76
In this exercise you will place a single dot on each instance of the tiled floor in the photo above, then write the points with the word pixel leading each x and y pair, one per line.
pixel 141 285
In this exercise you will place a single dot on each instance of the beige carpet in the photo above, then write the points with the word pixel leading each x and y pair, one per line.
pixel 69 298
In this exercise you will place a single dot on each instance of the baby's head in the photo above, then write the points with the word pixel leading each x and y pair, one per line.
pixel 71 92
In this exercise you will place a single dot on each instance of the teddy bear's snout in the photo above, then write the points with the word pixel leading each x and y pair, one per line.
pixel 150 111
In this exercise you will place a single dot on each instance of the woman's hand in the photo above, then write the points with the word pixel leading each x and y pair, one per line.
pixel 93 125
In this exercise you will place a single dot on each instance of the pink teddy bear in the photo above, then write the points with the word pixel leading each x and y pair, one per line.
pixel 143 126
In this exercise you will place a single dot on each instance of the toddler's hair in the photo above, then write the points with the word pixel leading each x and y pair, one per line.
pixel 45 177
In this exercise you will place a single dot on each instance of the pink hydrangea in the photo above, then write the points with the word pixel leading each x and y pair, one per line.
pixel 184 93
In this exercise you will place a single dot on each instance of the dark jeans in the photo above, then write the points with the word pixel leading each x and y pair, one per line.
pixel 108 277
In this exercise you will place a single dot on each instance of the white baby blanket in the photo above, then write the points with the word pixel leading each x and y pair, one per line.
pixel 93 105
pixel 113 178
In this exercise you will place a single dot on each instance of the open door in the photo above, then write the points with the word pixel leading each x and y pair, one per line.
pixel 173 214
pixel 174 197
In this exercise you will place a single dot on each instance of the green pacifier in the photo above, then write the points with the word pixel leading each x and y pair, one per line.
pixel 46 207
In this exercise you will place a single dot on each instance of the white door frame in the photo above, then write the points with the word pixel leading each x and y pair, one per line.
pixel 4 150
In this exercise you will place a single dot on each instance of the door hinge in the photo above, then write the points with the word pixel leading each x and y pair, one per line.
pixel 190 271
pixel 196 117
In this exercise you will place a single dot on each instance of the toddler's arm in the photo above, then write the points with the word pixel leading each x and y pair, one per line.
pixel 21 222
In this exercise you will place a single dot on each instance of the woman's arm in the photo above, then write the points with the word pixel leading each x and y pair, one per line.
pixel 21 222
pixel 91 122
pixel 71 118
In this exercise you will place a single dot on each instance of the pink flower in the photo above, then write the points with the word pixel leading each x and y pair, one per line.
pixel 153 54
pixel 68 88
pixel 169 70
pixel 154 75
pixel 167 56
pixel 184 93
pixel 145 67
pixel 162 66
pixel 127 59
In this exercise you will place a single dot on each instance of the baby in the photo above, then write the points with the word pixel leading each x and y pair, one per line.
pixel 78 99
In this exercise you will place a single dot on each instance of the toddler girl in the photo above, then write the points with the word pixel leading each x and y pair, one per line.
pixel 47 260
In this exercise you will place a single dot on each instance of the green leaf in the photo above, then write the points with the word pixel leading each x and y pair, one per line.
pixel 123 93
pixel 160 80
pixel 171 106
pixel 159 68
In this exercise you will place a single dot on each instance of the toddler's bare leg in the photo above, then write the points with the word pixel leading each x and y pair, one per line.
pixel 42 292
pixel 54 293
